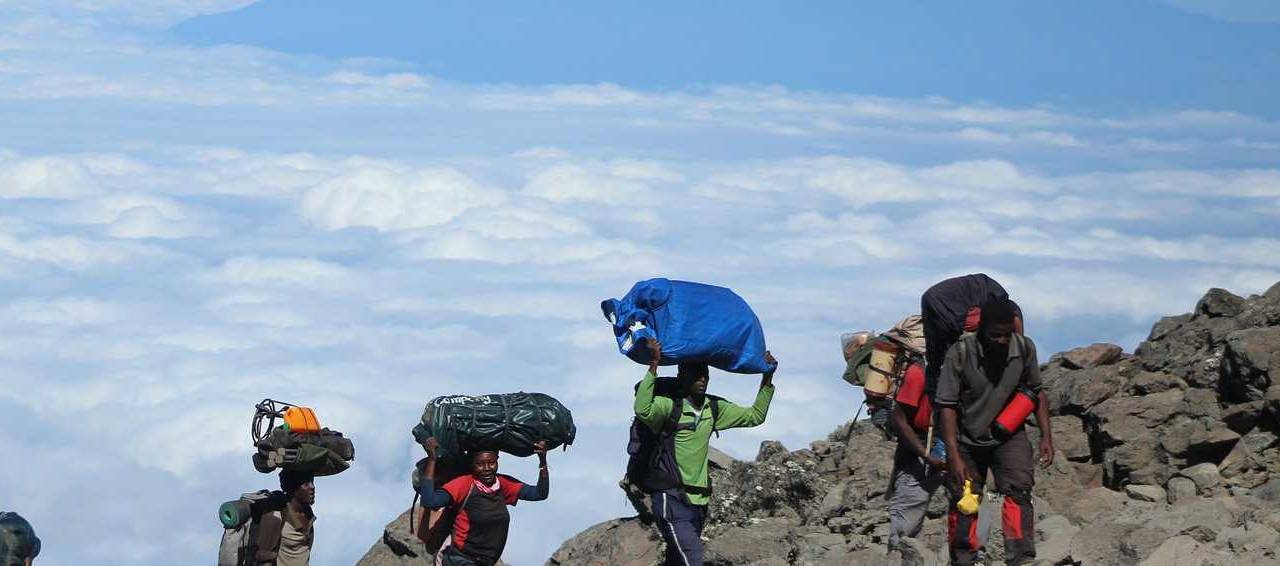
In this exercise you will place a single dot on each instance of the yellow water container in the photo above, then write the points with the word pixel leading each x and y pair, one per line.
pixel 880 372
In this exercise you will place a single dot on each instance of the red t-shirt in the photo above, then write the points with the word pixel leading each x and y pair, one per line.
pixel 911 394
pixel 484 534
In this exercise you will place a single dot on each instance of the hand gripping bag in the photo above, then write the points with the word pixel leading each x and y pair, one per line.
pixel 694 322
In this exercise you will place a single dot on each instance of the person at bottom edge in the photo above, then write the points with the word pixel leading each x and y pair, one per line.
pixel 285 537
pixel 480 500
pixel 917 473
pixel 681 512
pixel 982 377
pixel 19 545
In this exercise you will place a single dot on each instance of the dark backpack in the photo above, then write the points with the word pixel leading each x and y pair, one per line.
pixel 651 463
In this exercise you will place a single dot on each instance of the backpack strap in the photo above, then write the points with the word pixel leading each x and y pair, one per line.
pixel 715 413
pixel 673 419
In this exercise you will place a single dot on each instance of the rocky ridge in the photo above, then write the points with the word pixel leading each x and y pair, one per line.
pixel 1168 455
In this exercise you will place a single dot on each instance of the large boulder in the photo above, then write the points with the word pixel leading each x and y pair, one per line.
pixel 1250 357
pixel 620 542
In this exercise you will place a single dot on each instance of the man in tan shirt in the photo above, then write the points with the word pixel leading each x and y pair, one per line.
pixel 285 537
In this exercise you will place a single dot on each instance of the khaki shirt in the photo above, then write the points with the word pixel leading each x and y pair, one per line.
pixel 285 538
pixel 964 384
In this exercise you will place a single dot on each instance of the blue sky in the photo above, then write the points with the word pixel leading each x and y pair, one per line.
pixel 1100 54
pixel 208 202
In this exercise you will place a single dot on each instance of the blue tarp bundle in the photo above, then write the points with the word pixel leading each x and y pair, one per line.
pixel 694 323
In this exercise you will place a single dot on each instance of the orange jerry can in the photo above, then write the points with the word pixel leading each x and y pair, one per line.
pixel 301 419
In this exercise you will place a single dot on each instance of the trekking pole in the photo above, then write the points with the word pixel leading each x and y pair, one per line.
pixel 928 445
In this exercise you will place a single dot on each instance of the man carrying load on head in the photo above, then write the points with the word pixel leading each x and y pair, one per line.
pixel 681 512
pixel 989 383
pixel 285 537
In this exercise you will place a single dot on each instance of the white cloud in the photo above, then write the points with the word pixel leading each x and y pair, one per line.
pixel 390 200
pixel 492 232
pixel 614 183
pixel 287 273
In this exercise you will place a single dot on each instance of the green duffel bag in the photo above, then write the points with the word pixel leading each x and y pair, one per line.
pixel 509 422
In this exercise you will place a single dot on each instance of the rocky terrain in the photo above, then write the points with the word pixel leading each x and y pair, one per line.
pixel 1168 455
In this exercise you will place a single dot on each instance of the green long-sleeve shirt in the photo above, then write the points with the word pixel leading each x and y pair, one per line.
pixel 692 445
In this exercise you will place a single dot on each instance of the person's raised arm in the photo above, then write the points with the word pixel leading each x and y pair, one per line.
pixel 543 489
pixel 432 497
pixel 651 409
pixel 736 416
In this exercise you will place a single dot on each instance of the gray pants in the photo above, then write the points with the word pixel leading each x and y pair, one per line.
pixel 913 485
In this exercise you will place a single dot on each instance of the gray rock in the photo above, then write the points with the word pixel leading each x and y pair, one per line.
pixel 1075 391
pixel 1184 550
pixel 620 542
pixel 755 543
pixel 397 547
pixel 1220 303
pixel 1249 357
pixel 719 459
pixel 1092 356
pixel 1205 476
pixel 1181 490
pixel 1250 537
pixel 768 449
pixel 1244 416
pixel 1146 382
pixel 1053 538
pixel 1152 493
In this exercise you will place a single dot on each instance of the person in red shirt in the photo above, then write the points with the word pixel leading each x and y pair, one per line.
pixel 480 500
pixel 917 474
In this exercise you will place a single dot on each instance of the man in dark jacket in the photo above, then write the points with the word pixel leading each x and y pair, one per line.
pixel 980 376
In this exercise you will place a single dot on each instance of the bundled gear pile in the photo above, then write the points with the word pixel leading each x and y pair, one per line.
pixel 694 322
pixel 877 363
pixel 509 422
pixel 298 443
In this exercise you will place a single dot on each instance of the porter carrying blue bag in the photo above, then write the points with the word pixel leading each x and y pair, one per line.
pixel 694 322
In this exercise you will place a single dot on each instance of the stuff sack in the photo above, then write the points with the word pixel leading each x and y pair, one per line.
pixel 509 422
pixel 694 322
pixel 951 308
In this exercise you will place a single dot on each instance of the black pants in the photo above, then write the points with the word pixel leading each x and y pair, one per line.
pixel 681 524
pixel 451 556
pixel 1012 463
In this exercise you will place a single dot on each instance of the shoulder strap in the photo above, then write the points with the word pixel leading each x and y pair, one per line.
pixel 715 413
pixel 673 420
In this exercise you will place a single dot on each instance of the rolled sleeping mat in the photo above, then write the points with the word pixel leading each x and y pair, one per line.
pixel 234 514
